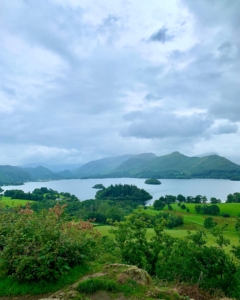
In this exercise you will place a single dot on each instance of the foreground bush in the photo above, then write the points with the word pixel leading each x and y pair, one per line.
pixel 43 246
pixel 188 260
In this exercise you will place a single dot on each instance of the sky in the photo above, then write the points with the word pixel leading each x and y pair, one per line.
pixel 83 79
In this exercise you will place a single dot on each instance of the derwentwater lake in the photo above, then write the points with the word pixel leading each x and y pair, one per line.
pixel 82 188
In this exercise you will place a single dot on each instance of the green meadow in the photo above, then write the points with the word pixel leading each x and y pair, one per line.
pixel 233 209
pixel 194 222
pixel 12 202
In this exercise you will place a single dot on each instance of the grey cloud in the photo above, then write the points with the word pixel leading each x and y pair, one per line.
pixel 150 97
pixel 109 29
pixel 210 13
pixel 226 128
pixel 228 105
pixel 156 123
pixel 161 36
pixel 228 52
pixel 75 106
pixel 8 90
pixel 50 26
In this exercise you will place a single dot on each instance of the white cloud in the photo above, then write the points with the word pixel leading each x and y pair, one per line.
pixel 79 81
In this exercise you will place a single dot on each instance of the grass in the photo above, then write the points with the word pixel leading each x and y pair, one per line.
pixel 92 285
pixel 13 202
pixel 9 286
pixel 233 209
pixel 192 223
pixel 130 288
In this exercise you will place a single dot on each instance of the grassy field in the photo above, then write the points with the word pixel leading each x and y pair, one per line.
pixel 180 233
pixel 194 222
pixel 12 202
pixel 233 209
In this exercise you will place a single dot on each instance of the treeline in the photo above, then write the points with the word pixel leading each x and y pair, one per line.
pixel 169 199
pixel 124 192
pixel 170 220
pixel 199 200
pixel 39 194
pixel 208 209
pixel 98 210
pixel 233 198
pixel 189 199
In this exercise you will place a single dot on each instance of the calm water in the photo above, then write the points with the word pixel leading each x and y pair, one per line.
pixel 82 188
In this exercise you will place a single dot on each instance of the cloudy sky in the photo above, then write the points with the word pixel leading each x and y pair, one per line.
pixel 86 79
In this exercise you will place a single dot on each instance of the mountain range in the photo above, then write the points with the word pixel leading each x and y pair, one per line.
pixel 146 165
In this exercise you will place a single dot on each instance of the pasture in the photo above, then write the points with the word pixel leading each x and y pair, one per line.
pixel 7 201
pixel 233 209
pixel 194 222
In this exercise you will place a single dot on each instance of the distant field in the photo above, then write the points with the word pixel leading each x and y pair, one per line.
pixel 194 222
pixel 180 233
pixel 231 208
pixel 232 236
pixel 13 202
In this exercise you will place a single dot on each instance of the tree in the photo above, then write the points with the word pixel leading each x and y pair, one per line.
pixel 123 192
pixel 158 204
pixel 211 209
pixel 198 209
pixel 209 223
pixel 181 198
pixel 214 200
pixel 170 199
pixel 198 199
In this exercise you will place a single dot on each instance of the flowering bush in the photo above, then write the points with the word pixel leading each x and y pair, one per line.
pixel 43 246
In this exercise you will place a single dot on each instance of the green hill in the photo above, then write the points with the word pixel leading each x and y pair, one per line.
pixel 42 173
pixel 10 175
pixel 100 167
pixel 174 165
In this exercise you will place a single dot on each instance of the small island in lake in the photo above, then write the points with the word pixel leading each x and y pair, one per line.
pixel 152 181
pixel 98 186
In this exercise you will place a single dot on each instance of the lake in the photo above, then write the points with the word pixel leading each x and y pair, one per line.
pixel 82 188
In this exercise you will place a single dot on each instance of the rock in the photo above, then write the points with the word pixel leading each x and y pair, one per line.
pixel 122 273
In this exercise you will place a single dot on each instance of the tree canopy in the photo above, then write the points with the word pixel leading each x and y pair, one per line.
pixel 124 192
pixel 152 181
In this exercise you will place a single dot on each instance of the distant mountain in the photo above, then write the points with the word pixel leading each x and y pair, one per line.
pixel 53 168
pixel 42 173
pixel 174 165
pixel 134 163
pixel 66 174
pixel 10 175
pixel 207 154
pixel 101 166
pixel 146 165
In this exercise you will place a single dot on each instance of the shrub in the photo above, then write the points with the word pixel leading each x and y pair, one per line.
pixel 209 223
pixel 43 246
pixel 158 204
pixel 209 267
pixel 225 215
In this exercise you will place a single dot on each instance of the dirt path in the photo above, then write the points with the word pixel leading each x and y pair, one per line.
pixel 26 297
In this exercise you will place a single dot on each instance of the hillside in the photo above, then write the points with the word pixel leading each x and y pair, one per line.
pixel 174 165
pixel 100 167
pixel 42 173
pixel 146 165
pixel 10 175
pixel 13 175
